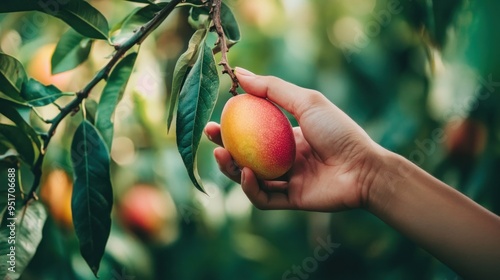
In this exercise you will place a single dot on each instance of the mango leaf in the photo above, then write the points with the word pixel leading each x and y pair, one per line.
pixel 92 198
pixel 198 16
pixel 27 224
pixel 38 94
pixel 71 50
pixel 196 103
pixel 229 23
pixel 141 1
pixel 12 77
pixel 19 6
pixel 84 18
pixel 20 141
pixel 111 95
pixel 15 112
pixel 181 70
pixel 79 14
pixel 133 21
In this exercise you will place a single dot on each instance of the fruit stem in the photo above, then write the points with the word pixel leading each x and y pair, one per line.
pixel 222 45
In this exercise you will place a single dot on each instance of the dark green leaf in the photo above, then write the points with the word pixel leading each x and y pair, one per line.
pixel 19 6
pixel 111 95
pixel 14 112
pixel 92 198
pixel 20 141
pixel 184 63
pixel 71 50
pixel 77 13
pixel 133 21
pixel 38 94
pixel 196 103
pixel 12 77
pixel 229 23
pixel 84 18
pixel 28 227
pixel 141 1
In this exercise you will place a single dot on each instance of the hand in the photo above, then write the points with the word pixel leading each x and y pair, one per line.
pixel 334 164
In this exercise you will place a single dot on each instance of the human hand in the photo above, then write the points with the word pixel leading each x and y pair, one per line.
pixel 335 160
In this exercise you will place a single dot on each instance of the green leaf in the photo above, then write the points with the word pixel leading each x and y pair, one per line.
pixel 12 77
pixel 28 226
pixel 84 18
pixel 38 94
pixel 20 141
pixel 15 112
pixel 79 14
pixel 71 50
pixel 133 21
pixel 92 198
pixel 111 95
pixel 19 6
pixel 141 1
pixel 229 24
pixel 184 63
pixel 196 103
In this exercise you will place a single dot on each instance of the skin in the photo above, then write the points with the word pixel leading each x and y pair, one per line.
pixel 338 167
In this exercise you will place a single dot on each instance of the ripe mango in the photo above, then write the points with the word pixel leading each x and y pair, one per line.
pixel 258 136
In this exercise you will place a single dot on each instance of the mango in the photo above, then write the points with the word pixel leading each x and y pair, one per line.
pixel 258 135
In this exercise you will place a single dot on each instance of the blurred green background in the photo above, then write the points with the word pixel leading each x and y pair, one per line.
pixel 406 71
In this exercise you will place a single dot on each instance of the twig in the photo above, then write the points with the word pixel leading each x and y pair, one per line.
pixel 222 44
pixel 73 106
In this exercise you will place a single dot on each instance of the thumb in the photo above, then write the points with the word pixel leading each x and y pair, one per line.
pixel 290 97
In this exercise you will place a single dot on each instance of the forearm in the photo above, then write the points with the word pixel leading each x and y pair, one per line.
pixel 452 227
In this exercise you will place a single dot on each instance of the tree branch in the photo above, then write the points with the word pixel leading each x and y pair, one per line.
pixel 74 105
pixel 222 45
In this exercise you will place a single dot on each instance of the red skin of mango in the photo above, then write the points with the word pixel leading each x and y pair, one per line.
pixel 258 136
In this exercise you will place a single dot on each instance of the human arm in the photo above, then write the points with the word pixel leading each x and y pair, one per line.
pixel 339 167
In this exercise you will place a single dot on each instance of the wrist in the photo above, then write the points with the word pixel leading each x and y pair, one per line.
pixel 386 171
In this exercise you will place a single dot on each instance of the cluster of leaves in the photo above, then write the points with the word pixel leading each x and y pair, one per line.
pixel 193 97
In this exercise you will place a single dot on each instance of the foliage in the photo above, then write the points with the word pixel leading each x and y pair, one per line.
pixel 404 70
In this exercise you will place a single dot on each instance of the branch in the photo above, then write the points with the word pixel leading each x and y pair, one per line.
pixel 222 45
pixel 73 106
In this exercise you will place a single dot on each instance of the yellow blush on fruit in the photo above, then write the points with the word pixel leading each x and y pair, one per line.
pixel 258 136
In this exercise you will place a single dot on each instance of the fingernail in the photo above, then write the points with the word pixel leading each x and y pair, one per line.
pixel 243 72
pixel 242 177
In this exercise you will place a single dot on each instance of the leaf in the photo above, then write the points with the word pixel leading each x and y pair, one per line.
pixel 141 1
pixel 79 14
pixel 12 77
pixel 196 103
pixel 71 50
pixel 14 113
pixel 229 24
pixel 111 95
pixel 133 21
pixel 28 223
pixel 20 141
pixel 184 63
pixel 92 198
pixel 38 94
pixel 19 6
pixel 84 18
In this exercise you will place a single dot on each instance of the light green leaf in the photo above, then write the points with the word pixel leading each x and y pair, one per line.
pixel 196 103
pixel 28 227
pixel 12 77
pixel 184 63
pixel 111 95
pixel 38 94
pixel 92 198
pixel 71 50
